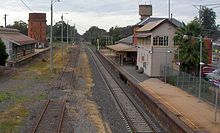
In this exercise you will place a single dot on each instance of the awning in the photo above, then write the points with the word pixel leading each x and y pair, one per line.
pixel 122 48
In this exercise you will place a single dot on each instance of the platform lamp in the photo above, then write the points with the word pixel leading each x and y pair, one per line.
pixel 200 63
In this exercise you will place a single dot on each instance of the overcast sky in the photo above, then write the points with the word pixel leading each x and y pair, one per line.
pixel 102 13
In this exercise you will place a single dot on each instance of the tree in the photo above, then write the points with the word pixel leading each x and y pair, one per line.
pixel 21 26
pixel 95 33
pixel 189 49
pixel 120 32
pixel 73 33
pixel 3 54
pixel 208 23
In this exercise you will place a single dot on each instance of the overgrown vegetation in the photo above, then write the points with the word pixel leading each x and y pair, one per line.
pixel 3 54
pixel 4 96
pixel 11 119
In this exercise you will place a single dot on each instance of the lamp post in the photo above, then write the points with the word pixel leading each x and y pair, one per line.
pixel 200 63
pixel 200 68
pixel 51 33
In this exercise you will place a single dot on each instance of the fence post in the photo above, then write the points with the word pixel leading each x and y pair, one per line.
pixel 216 103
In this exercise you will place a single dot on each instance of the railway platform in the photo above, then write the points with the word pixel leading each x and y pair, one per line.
pixel 198 115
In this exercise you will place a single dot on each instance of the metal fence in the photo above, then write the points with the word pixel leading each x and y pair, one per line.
pixel 190 84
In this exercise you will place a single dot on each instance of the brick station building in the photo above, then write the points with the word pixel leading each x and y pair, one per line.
pixel 37 28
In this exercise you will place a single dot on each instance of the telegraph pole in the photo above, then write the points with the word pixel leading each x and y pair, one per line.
pixel 67 33
pixel 62 35
pixel 5 18
pixel 169 9
pixel 51 33
pixel 74 33
pixel 51 36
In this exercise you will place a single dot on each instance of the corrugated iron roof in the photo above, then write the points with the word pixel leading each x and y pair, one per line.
pixel 152 19
pixel 122 47
pixel 15 37
pixel 149 26
pixel 127 40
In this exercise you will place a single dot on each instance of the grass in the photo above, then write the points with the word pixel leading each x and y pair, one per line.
pixel 12 119
pixel 41 96
pixel 41 68
pixel 4 96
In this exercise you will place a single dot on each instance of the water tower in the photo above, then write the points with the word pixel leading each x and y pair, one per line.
pixel 145 11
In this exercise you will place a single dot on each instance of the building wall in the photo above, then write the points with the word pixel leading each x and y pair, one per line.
pixel 156 56
pixel 160 55
pixel 37 26
pixel 135 39
pixel 20 51
pixel 144 60
pixel 15 51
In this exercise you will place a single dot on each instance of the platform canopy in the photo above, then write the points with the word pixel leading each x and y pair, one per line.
pixel 122 48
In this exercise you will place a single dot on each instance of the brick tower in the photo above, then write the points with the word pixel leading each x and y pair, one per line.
pixel 37 28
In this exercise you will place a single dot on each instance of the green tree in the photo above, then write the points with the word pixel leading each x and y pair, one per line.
pixel 208 23
pixel 93 33
pixel 21 26
pixel 120 32
pixel 3 54
pixel 189 49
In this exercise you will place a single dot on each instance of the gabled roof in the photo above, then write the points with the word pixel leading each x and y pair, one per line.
pixel 14 36
pixel 127 40
pixel 152 19
pixel 152 25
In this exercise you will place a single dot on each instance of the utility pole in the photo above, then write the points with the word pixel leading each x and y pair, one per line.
pixel 169 9
pixel 74 33
pixel 5 18
pixel 71 35
pixel 51 36
pixel 62 36
pixel 67 33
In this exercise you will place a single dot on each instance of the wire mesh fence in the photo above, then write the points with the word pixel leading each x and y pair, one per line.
pixel 190 84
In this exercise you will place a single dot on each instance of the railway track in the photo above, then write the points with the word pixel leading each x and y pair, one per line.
pixel 137 120
pixel 52 114
pixel 51 117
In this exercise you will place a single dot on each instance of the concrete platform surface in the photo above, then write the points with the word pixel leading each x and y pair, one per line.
pixel 198 115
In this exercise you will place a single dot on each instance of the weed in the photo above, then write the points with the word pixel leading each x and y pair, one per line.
pixel 4 96
pixel 12 119
pixel 41 96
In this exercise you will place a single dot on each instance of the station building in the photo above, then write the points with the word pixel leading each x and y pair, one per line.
pixel 18 46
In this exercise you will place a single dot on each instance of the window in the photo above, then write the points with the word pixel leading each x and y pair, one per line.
pixel 155 40
pixel 165 40
pixel 160 41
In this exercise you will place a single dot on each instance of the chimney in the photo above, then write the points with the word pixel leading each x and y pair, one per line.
pixel 145 11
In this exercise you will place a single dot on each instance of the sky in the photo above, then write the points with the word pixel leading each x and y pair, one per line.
pixel 102 13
